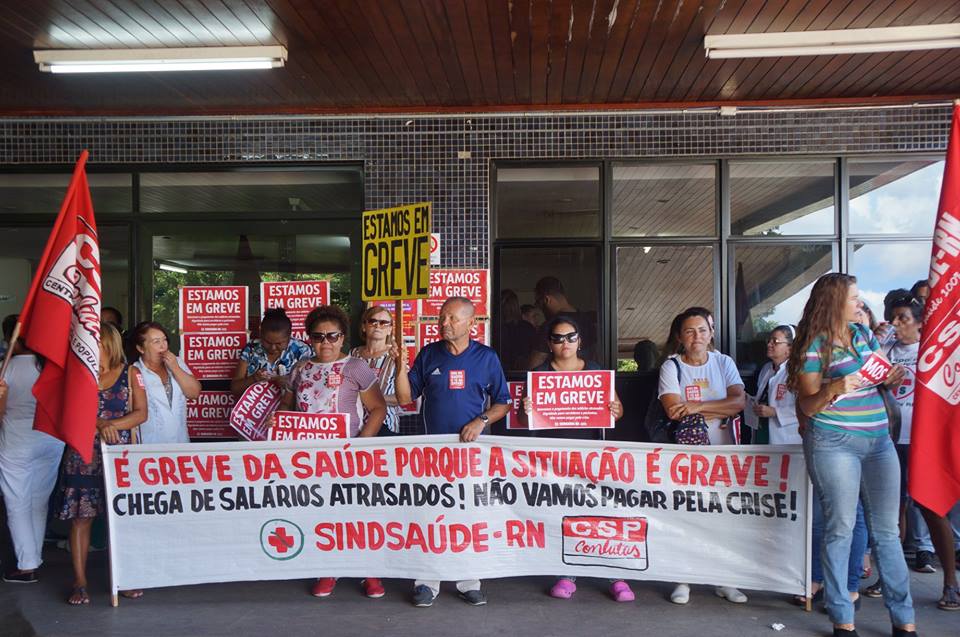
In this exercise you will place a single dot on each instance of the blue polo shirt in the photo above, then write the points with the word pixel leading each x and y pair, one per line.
pixel 455 389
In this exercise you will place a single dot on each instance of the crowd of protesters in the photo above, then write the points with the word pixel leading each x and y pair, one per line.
pixel 855 438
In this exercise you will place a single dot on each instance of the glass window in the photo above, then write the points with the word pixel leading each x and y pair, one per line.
pixel 23 247
pixel 771 286
pixel 548 202
pixel 573 290
pixel 43 193
pixel 782 198
pixel 654 284
pixel 320 191
pixel 894 196
pixel 884 266
pixel 670 199
pixel 212 256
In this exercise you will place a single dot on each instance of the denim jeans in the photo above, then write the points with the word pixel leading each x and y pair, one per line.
pixel 858 546
pixel 844 468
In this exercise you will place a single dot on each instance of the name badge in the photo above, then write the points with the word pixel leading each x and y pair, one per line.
pixel 334 380
pixel 457 379
pixel 692 393
pixel 781 391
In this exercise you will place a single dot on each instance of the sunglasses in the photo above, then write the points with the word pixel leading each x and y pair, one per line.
pixel 323 337
pixel 570 337
pixel 778 341
pixel 381 323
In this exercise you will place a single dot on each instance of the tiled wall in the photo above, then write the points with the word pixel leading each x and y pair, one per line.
pixel 415 158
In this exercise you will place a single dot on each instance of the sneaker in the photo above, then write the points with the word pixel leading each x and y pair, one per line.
pixel 474 598
pixel 423 596
pixel 620 591
pixel 20 577
pixel 874 590
pixel 923 562
pixel 680 594
pixel 563 589
pixel 373 588
pixel 323 587
pixel 730 594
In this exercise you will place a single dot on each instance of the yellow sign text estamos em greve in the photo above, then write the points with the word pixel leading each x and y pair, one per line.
pixel 396 253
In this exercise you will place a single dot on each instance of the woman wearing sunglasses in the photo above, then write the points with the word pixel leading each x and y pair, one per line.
pixel 332 382
pixel 376 325
pixel 563 339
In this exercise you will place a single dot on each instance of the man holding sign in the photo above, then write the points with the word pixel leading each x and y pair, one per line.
pixel 457 378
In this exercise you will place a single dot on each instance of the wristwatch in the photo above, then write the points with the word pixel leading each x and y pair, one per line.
pixel 485 419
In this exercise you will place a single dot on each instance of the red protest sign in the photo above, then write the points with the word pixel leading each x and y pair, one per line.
pixel 297 425
pixel 571 400
pixel 296 298
pixel 249 416
pixel 430 332
pixel 874 370
pixel 212 356
pixel 209 415
pixel 517 417
pixel 598 540
pixel 213 308
pixel 471 284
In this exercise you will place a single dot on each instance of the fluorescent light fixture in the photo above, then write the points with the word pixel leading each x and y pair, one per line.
pixel 172 268
pixel 212 58
pixel 837 42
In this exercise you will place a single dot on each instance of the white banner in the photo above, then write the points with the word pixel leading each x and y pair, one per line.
pixel 431 507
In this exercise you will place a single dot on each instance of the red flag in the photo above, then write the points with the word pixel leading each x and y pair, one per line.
pixel 935 439
pixel 60 321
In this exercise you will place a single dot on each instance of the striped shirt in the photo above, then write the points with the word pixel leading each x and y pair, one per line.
pixel 861 412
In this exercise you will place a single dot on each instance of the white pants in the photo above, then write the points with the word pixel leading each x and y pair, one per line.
pixel 27 476
pixel 463 585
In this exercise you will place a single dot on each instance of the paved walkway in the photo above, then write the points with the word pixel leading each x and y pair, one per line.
pixel 518 606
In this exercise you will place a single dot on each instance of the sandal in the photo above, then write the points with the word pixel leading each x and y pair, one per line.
pixel 950 599
pixel 79 596
pixel 800 600
pixel 134 594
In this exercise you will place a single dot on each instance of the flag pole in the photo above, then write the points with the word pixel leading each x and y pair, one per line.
pixel 42 265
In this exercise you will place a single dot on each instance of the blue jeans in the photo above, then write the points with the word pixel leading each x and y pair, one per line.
pixel 844 468
pixel 858 546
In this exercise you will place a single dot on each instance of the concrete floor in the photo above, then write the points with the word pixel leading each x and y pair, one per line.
pixel 518 606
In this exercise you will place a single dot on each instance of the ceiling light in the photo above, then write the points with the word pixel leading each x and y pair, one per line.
pixel 172 268
pixel 214 58
pixel 835 42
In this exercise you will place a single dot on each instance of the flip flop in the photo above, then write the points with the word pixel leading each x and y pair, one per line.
pixel 79 596
pixel 950 599
pixel 134 594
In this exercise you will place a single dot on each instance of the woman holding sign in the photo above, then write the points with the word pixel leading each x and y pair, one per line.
pixel 375 325
pixel 123 407
pixel 701 389
pixel 848 449
pixel 272 356
pixel 563 339
pixel 332 382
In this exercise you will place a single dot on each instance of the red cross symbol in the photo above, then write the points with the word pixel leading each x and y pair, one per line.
pixel 280 540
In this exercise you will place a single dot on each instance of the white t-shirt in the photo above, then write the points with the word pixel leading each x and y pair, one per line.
pixel 905 355
pixel 17 430
pixel 703 383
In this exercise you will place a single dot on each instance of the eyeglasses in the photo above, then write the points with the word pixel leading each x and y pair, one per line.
pixel 777 341
pixel 381 323
pixel 570 337
pixel 323 337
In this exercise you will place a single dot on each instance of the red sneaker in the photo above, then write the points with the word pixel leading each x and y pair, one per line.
pixel 323 587
pixel 373 588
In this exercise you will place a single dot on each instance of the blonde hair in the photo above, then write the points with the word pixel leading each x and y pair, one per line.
pixel 112 344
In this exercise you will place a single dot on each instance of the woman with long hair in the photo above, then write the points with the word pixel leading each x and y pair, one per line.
pixel 848 449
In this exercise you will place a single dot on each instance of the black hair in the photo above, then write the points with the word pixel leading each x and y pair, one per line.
pixel 645 354
pixel 557 320
pixel 275 320
pixel 548 286
pixel 922 283
pixel 119 322
pixel 914 304
pixel 327 313
pixel 9 323
pixel 891 296
pixel 789 330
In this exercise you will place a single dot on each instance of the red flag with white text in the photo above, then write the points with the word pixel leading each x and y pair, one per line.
pixel 935 438
pixel 60 321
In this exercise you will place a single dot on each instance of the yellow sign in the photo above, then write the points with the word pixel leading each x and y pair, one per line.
pixel 396 253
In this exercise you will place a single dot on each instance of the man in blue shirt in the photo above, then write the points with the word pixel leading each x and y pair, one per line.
pixel 457 378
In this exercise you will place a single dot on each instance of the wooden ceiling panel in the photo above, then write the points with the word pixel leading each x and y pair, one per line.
pixel 375 55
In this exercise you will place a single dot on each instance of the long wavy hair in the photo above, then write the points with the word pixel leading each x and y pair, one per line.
pixel 823 315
